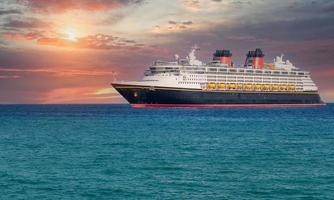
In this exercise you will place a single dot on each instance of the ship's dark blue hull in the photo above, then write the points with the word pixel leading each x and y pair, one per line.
pixel 182 97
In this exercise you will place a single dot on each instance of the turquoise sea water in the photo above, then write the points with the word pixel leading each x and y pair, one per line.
pixel 115 152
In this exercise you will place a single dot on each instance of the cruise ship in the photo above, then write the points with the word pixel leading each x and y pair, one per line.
pixel 188 82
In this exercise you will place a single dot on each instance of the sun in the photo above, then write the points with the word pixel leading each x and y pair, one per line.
pixel 70 35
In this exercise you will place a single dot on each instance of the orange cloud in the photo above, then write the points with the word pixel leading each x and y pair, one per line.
pixel 21 36
pixel 97 41
pixel 79 95
pixel 64 5
pixel 9 77
pixel 73 72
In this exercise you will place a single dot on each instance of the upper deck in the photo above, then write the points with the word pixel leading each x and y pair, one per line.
pixel 210 69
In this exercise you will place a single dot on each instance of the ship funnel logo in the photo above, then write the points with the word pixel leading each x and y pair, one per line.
pixel 255 59
pixel 224 57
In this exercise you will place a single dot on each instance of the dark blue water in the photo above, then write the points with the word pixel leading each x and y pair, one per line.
pixel 115 152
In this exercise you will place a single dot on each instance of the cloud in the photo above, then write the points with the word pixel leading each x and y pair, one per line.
pixel 191 4
pixel 97 41
pixel 301 29
pixel 172 22
pixel 172 26
pixel 21 36
pixel 180 23
pixel 187 23
pixel 10 76
pixel 208 5
pixel 290 30
pixel 79 95
pixel 61 73
pixel 26 23
pixel 9 12
pixel 64 5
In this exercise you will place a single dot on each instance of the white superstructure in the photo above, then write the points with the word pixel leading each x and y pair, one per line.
pixel 193 74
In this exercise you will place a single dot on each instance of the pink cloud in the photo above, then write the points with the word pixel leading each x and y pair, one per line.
pixel 21 36
pixel 97 41
pixel 62 72
pixel 64 5
pixel 9 77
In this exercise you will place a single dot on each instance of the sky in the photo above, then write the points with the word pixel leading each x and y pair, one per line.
pixel 69 51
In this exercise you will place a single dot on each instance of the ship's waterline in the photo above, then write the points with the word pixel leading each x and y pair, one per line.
pixel 190 83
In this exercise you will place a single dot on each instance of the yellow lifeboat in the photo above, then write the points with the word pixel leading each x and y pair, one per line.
pixel 232 86
pixel 283 87
pixel 275 87
pixel 239 86
pixel 221 85
pixel 211 85
pixel 248 86
pixel 291 87
pixel 252 87
pixel 257 86
pixel 266 87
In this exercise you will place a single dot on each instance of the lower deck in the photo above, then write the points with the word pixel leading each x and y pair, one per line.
pixel 135 94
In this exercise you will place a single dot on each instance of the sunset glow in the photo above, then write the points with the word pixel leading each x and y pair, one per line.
pixel 71 35
pixel 71 50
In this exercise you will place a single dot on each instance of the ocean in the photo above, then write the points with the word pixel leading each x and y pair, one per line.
pixel 116 152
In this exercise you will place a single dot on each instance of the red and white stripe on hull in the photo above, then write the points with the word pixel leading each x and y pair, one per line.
pixel 222 105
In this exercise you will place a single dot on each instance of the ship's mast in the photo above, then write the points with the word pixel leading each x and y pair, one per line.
pixel 192 57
